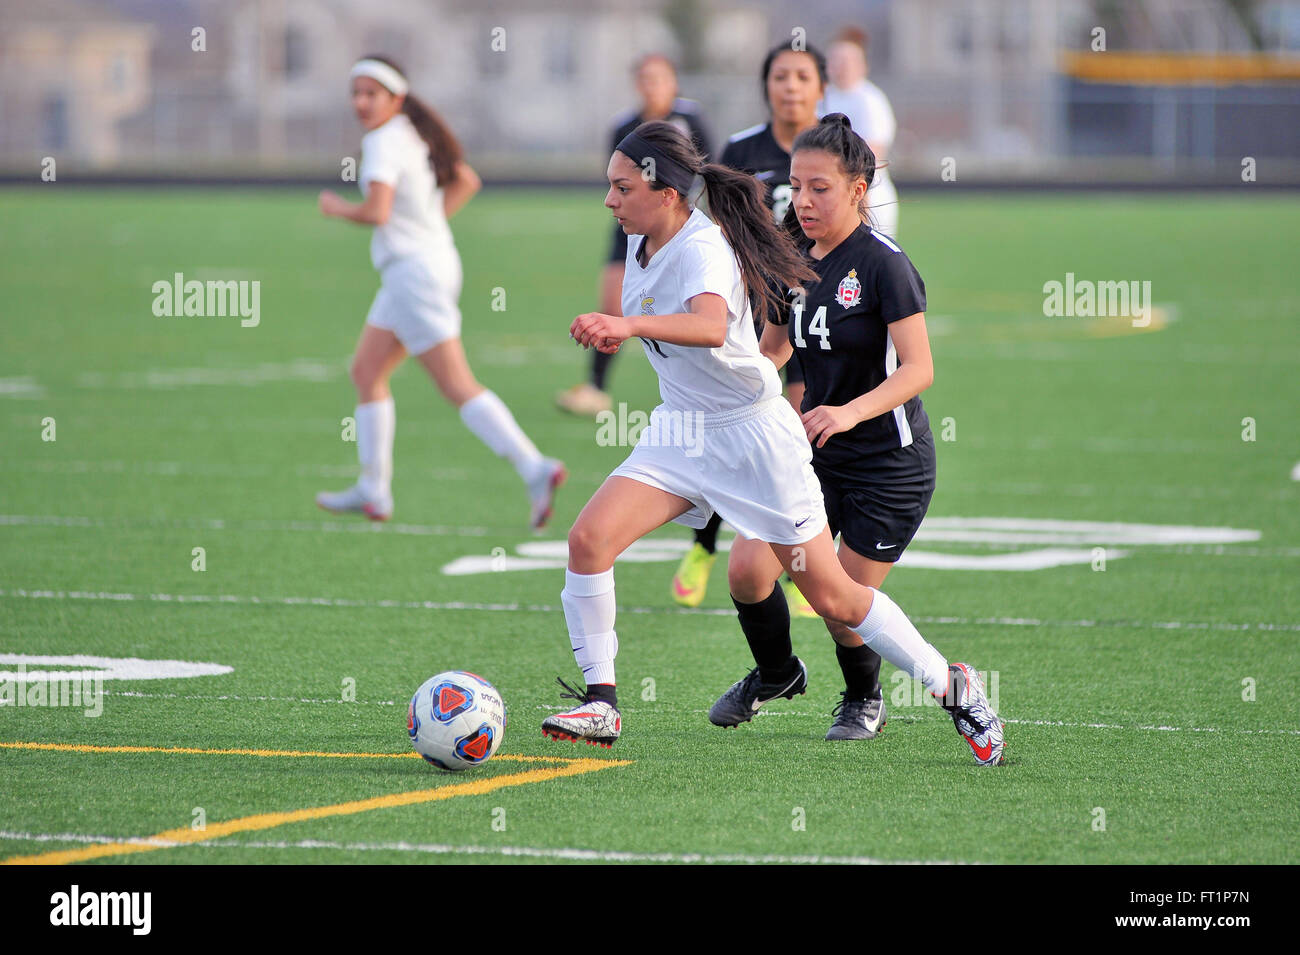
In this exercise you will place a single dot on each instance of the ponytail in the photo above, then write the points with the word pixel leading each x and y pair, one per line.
pixel 445 151
pixel 769 260
pixel 444 148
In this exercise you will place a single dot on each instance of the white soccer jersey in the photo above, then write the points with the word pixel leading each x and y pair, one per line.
pixel 708 380
pixel 395 154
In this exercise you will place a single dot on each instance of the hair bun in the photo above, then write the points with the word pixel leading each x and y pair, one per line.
pixel 837 119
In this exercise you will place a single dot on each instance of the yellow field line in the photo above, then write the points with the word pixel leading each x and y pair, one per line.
pixel 87 748
pixel 185 835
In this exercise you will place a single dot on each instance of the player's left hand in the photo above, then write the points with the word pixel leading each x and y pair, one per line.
pixel 825 420
pixel 603 332
pixel 331 203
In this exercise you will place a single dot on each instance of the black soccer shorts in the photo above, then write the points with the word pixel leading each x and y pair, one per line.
pixel 877 510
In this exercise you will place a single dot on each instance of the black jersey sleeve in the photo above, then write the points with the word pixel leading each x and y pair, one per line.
pixel 731 158
pixel 899 288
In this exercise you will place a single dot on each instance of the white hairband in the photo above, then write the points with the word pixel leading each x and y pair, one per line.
pixel 382 73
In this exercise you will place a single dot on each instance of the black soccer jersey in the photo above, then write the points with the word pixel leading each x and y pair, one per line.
pixel 841 337
pixel 756 151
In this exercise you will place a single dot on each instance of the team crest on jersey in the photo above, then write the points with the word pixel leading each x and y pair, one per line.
pixel 850 291
pixel 647 304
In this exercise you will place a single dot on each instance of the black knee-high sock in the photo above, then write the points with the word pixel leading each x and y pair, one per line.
pixel 600 368
pixel 707 536
pixel 767 628
pixel 861 667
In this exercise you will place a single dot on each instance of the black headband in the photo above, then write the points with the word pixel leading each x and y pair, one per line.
pixel 666 170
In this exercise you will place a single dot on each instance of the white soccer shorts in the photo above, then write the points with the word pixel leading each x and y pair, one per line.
pixel 418 303
pixel 752 466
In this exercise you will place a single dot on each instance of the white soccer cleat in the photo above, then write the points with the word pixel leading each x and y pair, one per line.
pixel 595 722
pixel 978 725
pixel 354 500
pixel 542 488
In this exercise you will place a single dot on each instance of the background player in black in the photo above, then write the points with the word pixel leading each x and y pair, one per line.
pixel 859 333
pixel 656 84
pixel 793 82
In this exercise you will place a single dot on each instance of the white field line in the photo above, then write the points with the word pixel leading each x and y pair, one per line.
pixel 312 370
pixel 906 717
pixel 352 603
pixel 236 698
pixel 527 852
pixel 207 469
pixel 220 524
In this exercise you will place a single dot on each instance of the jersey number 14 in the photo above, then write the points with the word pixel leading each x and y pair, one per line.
pixel 817 327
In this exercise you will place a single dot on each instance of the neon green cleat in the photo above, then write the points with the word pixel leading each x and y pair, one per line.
pixel 692 577
pixel 799 605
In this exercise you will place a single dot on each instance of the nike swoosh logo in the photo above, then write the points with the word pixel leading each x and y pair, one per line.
pixel 803 522
pixel 982 753
pixel 680 590
pixel 880 546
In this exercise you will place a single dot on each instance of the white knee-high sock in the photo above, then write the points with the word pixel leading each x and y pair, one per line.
pixel 888 631
pixel 376 423
pixel 488 417
pixel 589 611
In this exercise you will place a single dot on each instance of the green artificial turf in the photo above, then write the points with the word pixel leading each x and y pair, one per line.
pixel 1123 688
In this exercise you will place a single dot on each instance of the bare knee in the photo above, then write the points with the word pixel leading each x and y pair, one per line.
pixel 588 550
pixel 370 385
pixel 846 609
pixel 842 634
pixel 748 579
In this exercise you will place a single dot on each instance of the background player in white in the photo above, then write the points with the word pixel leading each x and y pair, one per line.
pixel 859 332
pixel 413 177
pixel 656 85
pixel 867 107
pixel 686 294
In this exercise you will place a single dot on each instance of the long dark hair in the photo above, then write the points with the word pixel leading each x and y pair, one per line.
pixel 444 148
pixel 769 262
pixel 834 135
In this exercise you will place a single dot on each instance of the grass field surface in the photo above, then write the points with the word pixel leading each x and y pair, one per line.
pixel 1146 672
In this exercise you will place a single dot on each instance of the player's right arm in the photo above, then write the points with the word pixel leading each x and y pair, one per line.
pixel 704 326
pixel 375 210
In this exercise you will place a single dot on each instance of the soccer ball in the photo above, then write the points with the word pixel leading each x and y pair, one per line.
pixel 456 720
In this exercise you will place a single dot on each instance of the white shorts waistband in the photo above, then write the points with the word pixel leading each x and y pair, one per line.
pixel 712 421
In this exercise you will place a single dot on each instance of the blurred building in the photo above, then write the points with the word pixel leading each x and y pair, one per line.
pixel 1010 88
pixel 70 75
